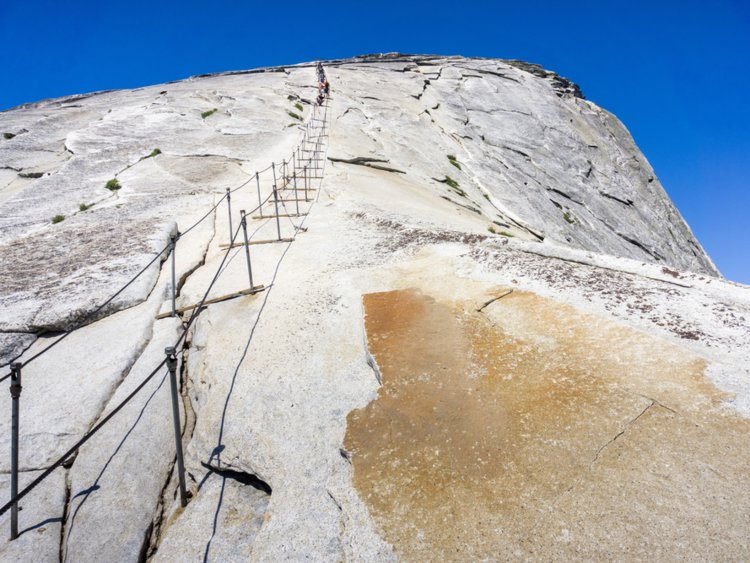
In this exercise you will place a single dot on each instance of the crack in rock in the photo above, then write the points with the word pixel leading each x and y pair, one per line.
pixel 620 433
pixel 623 201
pixel 240 476
pixel 491 301
pixel 365 161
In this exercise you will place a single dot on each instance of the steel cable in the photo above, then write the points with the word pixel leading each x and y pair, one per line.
pixel 61 460
pixel 196 311
pixel 93 313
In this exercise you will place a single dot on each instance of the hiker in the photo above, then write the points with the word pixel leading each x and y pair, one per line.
pixel 326 87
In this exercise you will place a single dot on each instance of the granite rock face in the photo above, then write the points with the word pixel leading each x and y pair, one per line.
pixel 529 154
pixel 484 299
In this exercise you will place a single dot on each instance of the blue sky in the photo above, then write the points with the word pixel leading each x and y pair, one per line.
pixel 676 73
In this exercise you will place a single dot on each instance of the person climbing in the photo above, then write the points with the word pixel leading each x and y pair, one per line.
pixel 326 87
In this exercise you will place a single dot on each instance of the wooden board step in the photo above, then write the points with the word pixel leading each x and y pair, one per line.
pixel 253 242
pixel 289 200
pixel 180 310
pixel 279 215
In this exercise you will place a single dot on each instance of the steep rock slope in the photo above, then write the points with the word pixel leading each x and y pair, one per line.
pixel 411 385
pixel 533 156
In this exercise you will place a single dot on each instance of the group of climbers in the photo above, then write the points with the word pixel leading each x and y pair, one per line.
pixel 324 87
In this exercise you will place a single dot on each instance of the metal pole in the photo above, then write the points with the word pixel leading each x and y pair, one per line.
pixel 276 200
pixel 247 246
pixel 296 195
pixel 304 170
pixel 172 366
pixel 15 394
pixel 283 171
pixel 260 203
pixel 276 204
pixel 229 210
pixel 173 240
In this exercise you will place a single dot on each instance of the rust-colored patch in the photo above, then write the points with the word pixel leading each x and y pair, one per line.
pixel 489 423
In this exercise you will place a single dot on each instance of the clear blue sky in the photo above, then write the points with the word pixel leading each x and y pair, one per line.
pixel 677 73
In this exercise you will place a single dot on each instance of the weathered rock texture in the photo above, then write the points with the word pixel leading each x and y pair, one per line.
pixel 491 337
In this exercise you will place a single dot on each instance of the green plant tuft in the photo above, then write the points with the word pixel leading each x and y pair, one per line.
pixel 569 217
pixel 453 161
pixel 58 218
pixel 113 185
pixel 83 207
pixel 8 135
pixel 506 234
pixel 154 153
pixel 299 106
pixel 205 114
pixel 451 182
pixel 294 115
pixel 492 230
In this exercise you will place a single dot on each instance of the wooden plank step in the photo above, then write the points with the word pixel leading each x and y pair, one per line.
pixel 180 310
pixel 252 242
pixel 279 215
pixel 289 200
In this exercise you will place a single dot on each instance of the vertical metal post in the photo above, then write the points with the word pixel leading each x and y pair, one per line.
pixel 15 394
pixel 229 210
pixel 294 162
pixel 173 241
pixel 247 246
pixel 283 171
pixel 305 172
pixel 296 195
pixel 273 169
pixel 260 203
pixel 172 367
pixel 276 204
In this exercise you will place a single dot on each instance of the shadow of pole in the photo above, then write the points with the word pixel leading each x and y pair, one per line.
pixel 95 486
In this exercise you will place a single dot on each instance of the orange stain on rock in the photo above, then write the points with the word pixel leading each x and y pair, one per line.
pixel 488 423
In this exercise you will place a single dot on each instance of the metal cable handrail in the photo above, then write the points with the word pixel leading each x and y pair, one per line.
pixel 170 361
